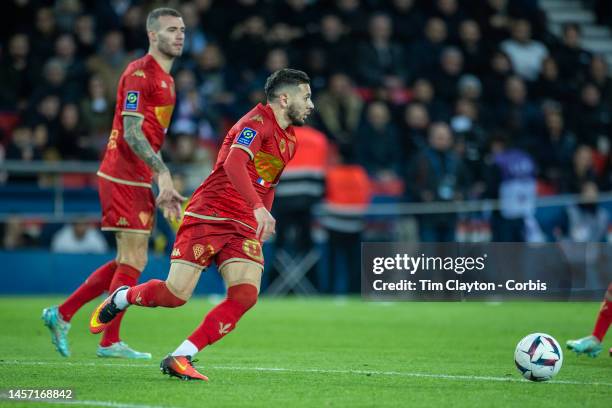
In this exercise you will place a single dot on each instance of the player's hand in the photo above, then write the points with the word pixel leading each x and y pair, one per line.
pixel 169 200
pixel 266 224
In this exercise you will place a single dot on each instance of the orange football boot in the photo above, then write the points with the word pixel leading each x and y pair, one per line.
pixel 181 367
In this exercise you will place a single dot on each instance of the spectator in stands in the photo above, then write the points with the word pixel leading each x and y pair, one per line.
pixel 472 139
pixel 494 18
pixel 452 15
pixel 525 53
pixel 44 35
pixel 554 149
pixel 332 40
pixel 97 110
pixel 215 82
pixel 66 13
pixel 423 92
pixel 195 38
pixel 79 238
pixel 85 36
pixel 46 119
pixel 66 53
pixel 110 61
pixel 132 28
pixel 437 174
pixel 16 73
pixel 573 60
pixel 407 20
pixel 188 151
pixel 473 48
pixel 582 170
pixel 414 130
pixel 516 113
pixel 22 147
pixel 495 78
pixel 447 75
pixel 339 110
pixel 377 143
pixel 550 85
pixel 592 118
pixel 353 15
pixel 73 142
pixel 16 236
pixel 424 55
pixel 248 48
pixel 381 59
pixel 598 75
pixel 55 83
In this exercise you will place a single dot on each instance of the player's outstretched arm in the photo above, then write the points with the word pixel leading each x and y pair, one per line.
pixel 168 199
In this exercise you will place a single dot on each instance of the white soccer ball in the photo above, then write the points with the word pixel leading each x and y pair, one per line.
pixel 538 357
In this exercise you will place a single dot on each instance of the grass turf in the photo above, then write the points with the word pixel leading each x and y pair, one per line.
pixel 314 352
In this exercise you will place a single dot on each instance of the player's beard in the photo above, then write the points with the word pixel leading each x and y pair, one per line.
pixel 164 45
pixel 294 116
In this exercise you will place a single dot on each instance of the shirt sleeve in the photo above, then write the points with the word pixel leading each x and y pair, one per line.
pixel 236 170
pixel 249 138
pixel 134 93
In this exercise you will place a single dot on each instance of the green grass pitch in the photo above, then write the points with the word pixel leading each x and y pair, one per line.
pixel 316 353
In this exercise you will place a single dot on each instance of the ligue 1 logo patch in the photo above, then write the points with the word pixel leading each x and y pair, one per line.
pixel 131 100
pixel 246 136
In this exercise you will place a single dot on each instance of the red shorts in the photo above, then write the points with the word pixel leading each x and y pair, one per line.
pixel 200 241
pixel 126 207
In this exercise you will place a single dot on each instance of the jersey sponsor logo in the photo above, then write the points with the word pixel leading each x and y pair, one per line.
pixel 164 114
pixel 246 136
pixel 268 166
pixel 282 145
pixel 139 73
pixel 138 299
pixel 224 328
pixel 131 100
pixel 122 222
pixel 176 252
pixel 164 84
pixel 252 248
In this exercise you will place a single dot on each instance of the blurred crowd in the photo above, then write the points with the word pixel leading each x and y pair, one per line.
pixel 421 93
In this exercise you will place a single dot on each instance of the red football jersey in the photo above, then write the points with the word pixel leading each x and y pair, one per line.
pixel 147 91
pixel 270 148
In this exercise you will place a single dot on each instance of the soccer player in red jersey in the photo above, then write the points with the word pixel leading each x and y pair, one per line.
pixel 591 345
pixel 145 101
pixel 227 219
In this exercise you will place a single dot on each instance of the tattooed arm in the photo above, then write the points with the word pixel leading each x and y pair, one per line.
pixel 168 199
pixel 134 137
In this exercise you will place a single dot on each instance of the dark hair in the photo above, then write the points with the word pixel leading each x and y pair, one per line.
pixel 155 14
pixel 284 77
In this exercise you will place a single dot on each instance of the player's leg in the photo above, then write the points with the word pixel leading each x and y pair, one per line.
pixel 173 292
pixel 131 261
pixel 243 280
pixel 57 318
pixel 591 345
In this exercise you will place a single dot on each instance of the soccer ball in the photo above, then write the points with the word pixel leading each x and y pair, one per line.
pixel 538 357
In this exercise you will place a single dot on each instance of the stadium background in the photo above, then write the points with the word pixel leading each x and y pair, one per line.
pixel 414 101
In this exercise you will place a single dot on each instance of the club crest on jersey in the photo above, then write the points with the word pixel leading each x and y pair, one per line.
pixel 246 136
pixel 131 101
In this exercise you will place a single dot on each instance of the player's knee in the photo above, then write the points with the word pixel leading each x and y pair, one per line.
pixel 245 294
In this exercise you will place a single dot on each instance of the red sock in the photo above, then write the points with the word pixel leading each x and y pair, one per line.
pixel 93 287
pixel 604 318
pixel 152 294
pixel 223 318
pixel 124 275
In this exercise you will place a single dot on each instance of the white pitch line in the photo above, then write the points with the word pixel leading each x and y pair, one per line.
pixel 91 403
pixel 319 371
